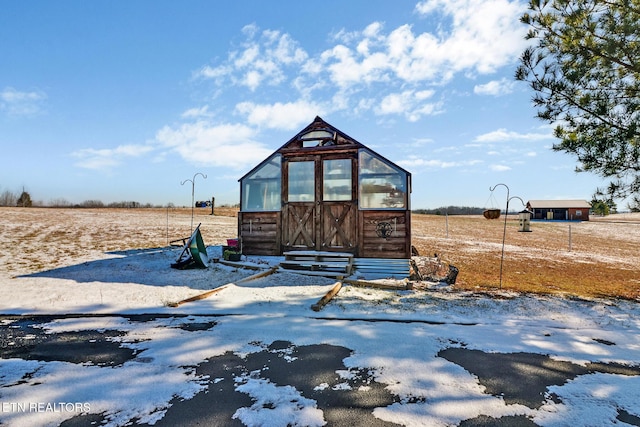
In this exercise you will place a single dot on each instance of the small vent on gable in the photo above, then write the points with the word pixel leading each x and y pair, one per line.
pixel 318 138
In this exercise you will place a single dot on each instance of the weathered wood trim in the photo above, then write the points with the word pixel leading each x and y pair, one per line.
pixel 337 150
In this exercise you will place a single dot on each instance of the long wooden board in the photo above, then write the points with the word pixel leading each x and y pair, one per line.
pixel 368 284
pixel 220 288
pixel 328 296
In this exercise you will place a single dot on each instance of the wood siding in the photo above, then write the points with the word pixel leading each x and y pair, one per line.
pixel 385 234
pixel 260 233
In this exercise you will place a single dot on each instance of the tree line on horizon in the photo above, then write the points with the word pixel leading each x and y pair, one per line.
pixel 23 199
pixel 9 199
pixel 450 210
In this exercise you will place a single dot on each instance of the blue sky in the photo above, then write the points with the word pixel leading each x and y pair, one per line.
pixel 125 100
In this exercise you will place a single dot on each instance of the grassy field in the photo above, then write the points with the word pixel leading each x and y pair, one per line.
pixel 599 258
pixel 595 258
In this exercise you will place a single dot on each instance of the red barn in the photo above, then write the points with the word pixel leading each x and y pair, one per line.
pixel 567 210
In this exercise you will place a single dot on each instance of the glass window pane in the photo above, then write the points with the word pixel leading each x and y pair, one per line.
pixel 337 179
pixel 316 138
pixel 382 186
pixel 261 189
pixel 314 134
pixel 301 182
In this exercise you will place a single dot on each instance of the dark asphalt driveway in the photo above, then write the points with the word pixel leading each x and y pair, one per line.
pixel 519 378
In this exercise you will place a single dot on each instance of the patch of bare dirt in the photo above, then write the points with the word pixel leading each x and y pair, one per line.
pixel 37 239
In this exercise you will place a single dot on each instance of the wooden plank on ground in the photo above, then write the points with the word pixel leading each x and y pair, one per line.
pixel 200 296
pixel 328 296
pixel 368 284
pixel 258 275
pixel 220 288
pixel 240 264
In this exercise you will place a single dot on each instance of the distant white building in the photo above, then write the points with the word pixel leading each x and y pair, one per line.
pixel 564 210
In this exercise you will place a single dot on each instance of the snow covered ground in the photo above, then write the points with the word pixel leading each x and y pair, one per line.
pixel 398 337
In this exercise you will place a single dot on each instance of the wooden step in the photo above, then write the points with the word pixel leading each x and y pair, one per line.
pixel 318 261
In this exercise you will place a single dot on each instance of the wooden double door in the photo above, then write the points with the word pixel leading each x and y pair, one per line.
pixel 320 204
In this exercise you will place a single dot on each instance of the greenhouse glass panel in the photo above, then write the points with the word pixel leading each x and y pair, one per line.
pixel 382 186
pixel 336 180
pixel 301 182
pixel 261 189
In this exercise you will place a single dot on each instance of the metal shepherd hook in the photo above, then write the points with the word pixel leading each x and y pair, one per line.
pixel 504 231
pixel 193 187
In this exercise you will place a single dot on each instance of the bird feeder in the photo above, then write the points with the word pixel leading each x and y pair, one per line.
pixel 525 220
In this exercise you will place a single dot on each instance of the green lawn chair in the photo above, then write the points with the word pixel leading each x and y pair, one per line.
pixel 194 253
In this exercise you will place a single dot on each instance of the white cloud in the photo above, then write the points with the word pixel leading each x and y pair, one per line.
pixel 262 59
pixel 505 135
pixel 208 144
pixel 395 71
pixel 484 34
pixel 18 103
pixel 482 37
pixel 421 142
pixel 348 68
pixel 108 158
pixel 250 30
pixel 438 164
pixel 284 49
pixel 193 113
pixel 418 162
pixel 452 148
pixel 286 116
pixel 408 103
pixel 395 103
pixel 215 73
pixel 495 87
pixel 429 109
pixel 499 168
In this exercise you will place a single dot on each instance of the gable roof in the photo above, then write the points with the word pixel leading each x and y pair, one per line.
pixel 323 136
pixel 558 204
pixel 319 134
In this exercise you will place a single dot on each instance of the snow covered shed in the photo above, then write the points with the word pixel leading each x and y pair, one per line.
pixel 325 191
pixel 565 210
